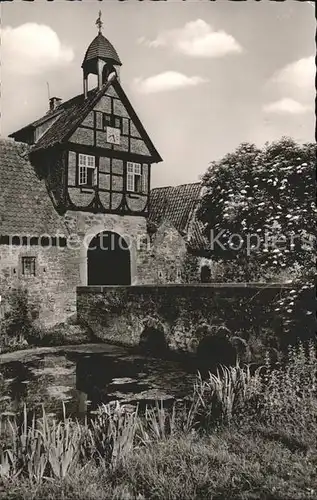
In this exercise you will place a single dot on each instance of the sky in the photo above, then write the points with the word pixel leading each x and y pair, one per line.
pixel 202 76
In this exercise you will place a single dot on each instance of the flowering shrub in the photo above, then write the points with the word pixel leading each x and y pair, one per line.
pixel 261 204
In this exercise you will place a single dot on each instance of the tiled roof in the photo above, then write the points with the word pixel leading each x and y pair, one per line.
pixel 72 112
pixel 177 204
pixel 48 116
pixel 196 239
pixel 158 202
pixel 101 47
pixel 25 206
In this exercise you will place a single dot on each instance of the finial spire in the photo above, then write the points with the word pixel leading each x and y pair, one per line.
pixel 99 22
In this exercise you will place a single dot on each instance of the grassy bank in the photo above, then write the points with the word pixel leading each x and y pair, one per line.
pixel 241 436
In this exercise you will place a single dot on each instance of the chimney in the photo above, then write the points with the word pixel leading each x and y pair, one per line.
pixel 54 103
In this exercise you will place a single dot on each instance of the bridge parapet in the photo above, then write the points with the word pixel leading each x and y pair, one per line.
pixel 185 314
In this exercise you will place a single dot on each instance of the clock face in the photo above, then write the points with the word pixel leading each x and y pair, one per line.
pixel 113 135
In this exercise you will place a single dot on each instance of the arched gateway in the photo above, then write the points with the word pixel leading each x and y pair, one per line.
pixel 109 261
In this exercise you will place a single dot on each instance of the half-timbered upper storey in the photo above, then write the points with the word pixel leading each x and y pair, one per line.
pixel 93 150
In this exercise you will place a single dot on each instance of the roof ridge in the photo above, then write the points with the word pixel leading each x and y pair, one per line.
pixel 161 187
pixel 12 142
pixel 178 185
pixel 64 105
pixel 188 184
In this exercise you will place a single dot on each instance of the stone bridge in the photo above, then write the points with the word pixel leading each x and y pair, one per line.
pixel 186 317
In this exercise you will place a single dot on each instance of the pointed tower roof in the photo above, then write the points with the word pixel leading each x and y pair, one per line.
pixel 100 48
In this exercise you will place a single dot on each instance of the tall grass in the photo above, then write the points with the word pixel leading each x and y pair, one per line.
pixel 112 434
pixel 278 402
pixel 284 394
pixel 225 394
pixel 40 448
pixel 44 448
pixel 289 391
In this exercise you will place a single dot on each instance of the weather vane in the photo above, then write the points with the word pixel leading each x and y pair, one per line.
pixel 99 22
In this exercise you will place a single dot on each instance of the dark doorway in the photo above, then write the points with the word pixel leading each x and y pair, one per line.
pixel 108 260
pixel 205 274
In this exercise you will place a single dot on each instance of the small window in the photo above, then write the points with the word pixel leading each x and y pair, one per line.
pixel 28 266
pixel 112 121
pixel 107 122
pixel 87 173
pixel 134 177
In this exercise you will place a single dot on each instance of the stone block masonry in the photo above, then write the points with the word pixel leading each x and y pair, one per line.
pixel 59 270
pixel 50 291
pixel 120 314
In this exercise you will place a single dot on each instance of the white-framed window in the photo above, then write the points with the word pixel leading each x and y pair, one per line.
pixel 87 172
pixel 134 177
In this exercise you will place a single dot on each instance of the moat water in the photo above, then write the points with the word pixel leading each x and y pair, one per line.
pixel 83 377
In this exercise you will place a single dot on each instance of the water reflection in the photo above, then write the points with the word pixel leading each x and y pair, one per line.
pixel 84 380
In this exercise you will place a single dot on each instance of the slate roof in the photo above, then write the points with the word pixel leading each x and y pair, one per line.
pixel 25 206
pixel 72 112
pixel 101 48
pixel 177 205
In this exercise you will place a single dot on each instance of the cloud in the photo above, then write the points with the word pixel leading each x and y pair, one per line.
pixel 285 106
pixel 169 80
pixel 196 39
pixel 32 48
pixel 300 73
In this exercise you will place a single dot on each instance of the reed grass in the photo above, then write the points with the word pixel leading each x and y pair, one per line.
pixel 275 404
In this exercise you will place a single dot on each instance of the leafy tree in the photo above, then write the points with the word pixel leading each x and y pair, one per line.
pixel 258 209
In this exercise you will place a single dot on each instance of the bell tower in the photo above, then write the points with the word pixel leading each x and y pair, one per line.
pixel 101 59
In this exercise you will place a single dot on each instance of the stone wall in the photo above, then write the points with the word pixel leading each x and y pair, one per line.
pixel 121 314
pixel 155 260
pixel 84 226
pixel 59 270
pixel 51 292
pixel 162 257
